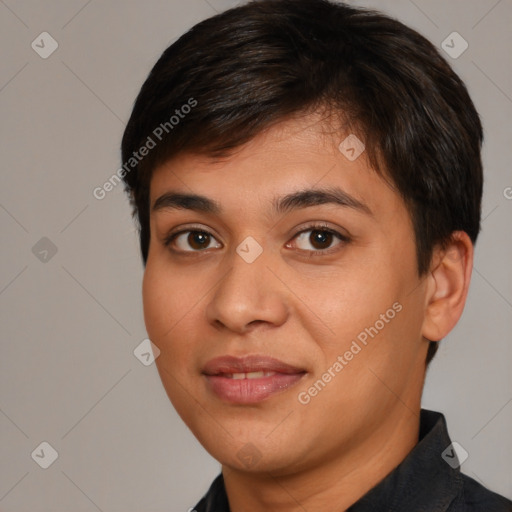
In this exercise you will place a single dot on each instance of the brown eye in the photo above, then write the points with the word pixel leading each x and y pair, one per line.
pixel 190 241
pixel 319 239
pixel 198 239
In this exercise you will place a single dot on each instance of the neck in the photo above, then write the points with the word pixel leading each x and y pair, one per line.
pixel 337 483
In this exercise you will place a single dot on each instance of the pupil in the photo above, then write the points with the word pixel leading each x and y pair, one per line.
pixel 197 239
pixel 321 237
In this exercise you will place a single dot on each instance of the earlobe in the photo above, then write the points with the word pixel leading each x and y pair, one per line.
pixel 448 284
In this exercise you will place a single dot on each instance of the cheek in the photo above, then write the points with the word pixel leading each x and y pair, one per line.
pixel 372 306
pixel 351 302
pixel 173 313
pixel 155 302
pixel 164 303
pixel 169 318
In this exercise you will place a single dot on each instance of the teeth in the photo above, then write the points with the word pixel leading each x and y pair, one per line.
pixel 249 375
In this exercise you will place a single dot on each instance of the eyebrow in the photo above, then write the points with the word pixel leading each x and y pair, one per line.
pixel 280 205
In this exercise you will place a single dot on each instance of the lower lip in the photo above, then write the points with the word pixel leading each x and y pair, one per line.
pixel 250 391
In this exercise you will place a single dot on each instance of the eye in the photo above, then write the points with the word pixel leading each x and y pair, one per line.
pixel 318 240
pixel 198 240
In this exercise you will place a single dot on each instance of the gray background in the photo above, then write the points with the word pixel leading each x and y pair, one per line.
pixel 70 324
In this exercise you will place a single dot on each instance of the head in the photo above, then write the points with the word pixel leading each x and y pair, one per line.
pixel 253 105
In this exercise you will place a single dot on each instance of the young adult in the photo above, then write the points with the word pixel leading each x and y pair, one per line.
pixel 307 180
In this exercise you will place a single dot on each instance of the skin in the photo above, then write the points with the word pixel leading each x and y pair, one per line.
pixel 303 311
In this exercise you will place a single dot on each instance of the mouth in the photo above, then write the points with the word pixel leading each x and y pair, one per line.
pixel 249 379
pixel 248 375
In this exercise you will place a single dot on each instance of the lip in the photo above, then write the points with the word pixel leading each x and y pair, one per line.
pixel 249 363
pixel 242 390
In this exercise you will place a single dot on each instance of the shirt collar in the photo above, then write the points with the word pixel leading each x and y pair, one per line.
pixel 424 480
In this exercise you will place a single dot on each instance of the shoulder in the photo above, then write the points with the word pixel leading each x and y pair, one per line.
pixel 474 497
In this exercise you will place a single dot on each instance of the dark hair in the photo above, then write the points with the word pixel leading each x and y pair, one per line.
pixel 250 67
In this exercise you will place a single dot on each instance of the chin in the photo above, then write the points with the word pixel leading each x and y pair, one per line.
pixel 253 454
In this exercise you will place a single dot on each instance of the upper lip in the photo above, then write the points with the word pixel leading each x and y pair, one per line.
pixel 247 364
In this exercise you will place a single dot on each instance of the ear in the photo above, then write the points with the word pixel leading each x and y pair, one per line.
pixel 447 286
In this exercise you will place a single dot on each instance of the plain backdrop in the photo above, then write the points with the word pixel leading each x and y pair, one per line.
pixel 70 283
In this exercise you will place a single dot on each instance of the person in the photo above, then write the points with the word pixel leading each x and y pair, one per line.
pixel 307 180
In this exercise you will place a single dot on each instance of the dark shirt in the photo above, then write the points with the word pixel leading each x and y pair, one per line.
pixel 424 481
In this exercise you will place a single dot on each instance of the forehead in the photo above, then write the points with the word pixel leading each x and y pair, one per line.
pixel 293 155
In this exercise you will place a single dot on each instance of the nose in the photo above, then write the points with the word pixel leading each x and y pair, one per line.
pixel 248 295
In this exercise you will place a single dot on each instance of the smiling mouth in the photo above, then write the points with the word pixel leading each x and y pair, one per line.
pixel 249 379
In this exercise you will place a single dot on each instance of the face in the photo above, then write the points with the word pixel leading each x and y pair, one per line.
pixel 285 300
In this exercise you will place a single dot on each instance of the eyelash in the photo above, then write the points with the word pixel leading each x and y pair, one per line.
pixel 312 227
